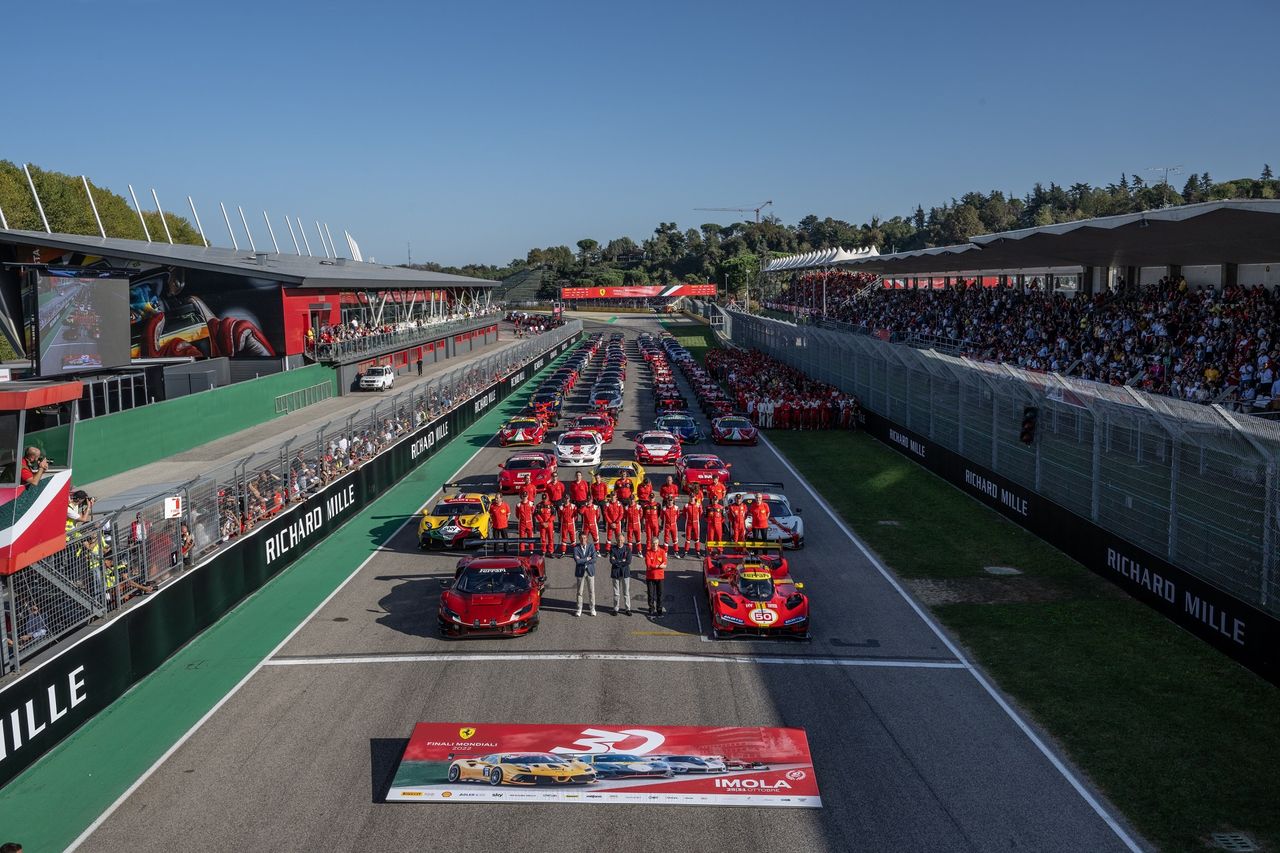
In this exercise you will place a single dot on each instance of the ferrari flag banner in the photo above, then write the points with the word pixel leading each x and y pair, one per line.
pixel 638 291
pixel 678 765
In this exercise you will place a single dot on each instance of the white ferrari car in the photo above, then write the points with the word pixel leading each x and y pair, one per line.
pixel 786 527
pixel 578 447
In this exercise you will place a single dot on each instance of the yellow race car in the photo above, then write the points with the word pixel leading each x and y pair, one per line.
pixel 611 472
pixel 522 768
pixel 454 519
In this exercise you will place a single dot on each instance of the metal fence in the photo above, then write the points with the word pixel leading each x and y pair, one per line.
pixel 133 550
pixel 371 343
pixel 303 397
pixel 1194 484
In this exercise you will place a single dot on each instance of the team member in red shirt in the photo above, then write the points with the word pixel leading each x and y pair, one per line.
pixel 529 490
pixel 760 519
pixel 644 491
pixel 555 491
pixel 669 489
pixel 590 515
pixel 738 520
pixel 655 571
pixel 546 527
pixel 624 489
pixel 652 523
pixel 524 519
pixel 499 518
pixel 579 490
pixel 568 527
pixel 716 490
pixel 692 525
pixel 635 523
pixel 715 522
pixel 670 522
pixel 613 515
pixel 599 491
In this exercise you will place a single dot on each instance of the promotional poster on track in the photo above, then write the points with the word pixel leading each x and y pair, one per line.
pixel 679 765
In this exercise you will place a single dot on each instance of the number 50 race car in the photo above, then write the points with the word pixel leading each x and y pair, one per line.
pixel 752 598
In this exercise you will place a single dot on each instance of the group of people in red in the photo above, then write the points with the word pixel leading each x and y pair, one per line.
pixel 777 396
pixel 628 512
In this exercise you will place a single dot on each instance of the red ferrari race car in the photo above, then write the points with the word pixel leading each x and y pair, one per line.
pixel 598 422
pixel 657 448
pixel 734 429
pixel 494 595
pixel 701 468
pixel 522 429
pixel 751 598
pixel 727 554
pixel 535 466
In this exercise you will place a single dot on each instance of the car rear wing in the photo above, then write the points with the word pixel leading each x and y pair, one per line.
pixel 757 487
pixel 759 546
pixel 479 484
pixel 502 546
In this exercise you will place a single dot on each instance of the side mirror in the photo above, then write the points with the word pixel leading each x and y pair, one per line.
pixel 502 465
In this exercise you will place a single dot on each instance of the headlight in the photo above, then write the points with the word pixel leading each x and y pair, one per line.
pixel 523 611
pixel 451 614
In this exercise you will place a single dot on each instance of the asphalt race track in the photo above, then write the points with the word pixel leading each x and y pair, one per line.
pixel 912 750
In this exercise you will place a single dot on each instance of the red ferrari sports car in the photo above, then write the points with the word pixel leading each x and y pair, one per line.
pixel 701 468
pixel 598 422
pixel 493 595
pixel 751 597
pixel 535 466
pixel 734 429
pixel 657 448
pixel 522 429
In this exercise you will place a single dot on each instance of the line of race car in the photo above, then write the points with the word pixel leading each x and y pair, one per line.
pixel 497 589
pixel 543 768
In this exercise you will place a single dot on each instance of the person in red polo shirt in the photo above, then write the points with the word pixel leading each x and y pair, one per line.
pixel 644 491
pixel 613 515
pixel 652 523
pixel 579 490
pixel 716 490
pixel 599 491
pixel 669 489
pixel 499 518
pixel 738 520
pixel 759 514
pixel 546 518
pixel 524 519
pixel 529 490
pixel 568 527
pixel 555 491
pixel 670 522
pixel 635 523
pixel 655 572
pixel 590 515
pixel 624 489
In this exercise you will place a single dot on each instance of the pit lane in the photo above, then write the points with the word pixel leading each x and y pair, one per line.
pixel 911 750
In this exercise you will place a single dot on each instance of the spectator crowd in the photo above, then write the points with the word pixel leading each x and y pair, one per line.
pixel 777 396
pixel 1198 344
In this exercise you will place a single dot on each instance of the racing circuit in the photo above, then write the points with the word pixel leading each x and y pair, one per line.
pixel 913 748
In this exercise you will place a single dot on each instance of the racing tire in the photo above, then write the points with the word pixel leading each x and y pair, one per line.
pixel 454 773
pixel 495 776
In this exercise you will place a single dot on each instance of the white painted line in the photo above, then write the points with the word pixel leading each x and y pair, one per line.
pixel 102 818
pixel 498 657
pixel 1022 724
pixel 697 614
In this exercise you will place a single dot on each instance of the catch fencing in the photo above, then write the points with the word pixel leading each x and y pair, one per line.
pixel 1195 485
pixel 112 560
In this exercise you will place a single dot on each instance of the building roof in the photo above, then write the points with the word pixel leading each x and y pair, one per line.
pixel 292 270
pixel 1212 232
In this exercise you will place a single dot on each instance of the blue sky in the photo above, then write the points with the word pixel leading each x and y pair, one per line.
pixel 477 130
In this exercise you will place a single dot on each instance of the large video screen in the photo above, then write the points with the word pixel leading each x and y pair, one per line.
pixel 84 321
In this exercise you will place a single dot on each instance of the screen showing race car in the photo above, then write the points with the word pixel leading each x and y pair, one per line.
pixel 83 321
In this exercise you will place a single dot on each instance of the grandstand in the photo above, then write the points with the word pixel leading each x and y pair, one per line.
pixel 520 288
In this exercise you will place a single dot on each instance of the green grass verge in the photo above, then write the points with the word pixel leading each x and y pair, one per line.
pixel 1183 740
pixel 696 337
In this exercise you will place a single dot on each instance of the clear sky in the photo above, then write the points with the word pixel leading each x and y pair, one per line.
pixel 476 130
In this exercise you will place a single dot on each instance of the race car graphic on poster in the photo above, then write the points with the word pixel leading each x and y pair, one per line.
pixel 681 765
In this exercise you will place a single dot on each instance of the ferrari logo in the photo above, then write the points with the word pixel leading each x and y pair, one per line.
pixel 601 291
pixel 466 733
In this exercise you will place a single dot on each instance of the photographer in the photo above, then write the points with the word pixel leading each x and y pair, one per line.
pixel 34 464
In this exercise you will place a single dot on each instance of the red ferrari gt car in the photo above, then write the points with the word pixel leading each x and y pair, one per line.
pixel 734 429
pixel 522 429
pixel 751 598
pixel 600 423
pixel 701 468
pixel 535 466
pixel 657 448
pixel 493 595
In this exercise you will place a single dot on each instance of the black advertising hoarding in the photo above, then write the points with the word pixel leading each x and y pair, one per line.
pixel 46 704
pixel 1246 633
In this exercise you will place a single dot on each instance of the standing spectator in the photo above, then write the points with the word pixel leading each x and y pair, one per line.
pixel 759 514
pixel 655 571
pixel 620 573
pixel 584 569
pixel 188 544
pixel 419 362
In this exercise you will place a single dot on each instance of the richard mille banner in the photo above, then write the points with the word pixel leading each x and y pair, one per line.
pixel 467 762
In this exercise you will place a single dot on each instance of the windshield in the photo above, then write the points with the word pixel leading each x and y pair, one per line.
pixel 525 464
pixel 456 508
pixel 756 590
pixel 677 422
pixel 735 423
pixel 593 421
pixel 701 464
pixel 534 758
pixel 616 472
pixel 545 398
pixel 616 757
pixel 578 438
pixel 687 759
pixel 493 581
pixel 523 423
pixel 655 439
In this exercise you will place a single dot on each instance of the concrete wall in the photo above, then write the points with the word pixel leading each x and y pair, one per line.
pixel 111 444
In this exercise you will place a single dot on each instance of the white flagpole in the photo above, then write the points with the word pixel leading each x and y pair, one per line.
pixel 294 236
pixel 93 204
pixel 305 241
pixel 271 231
pixel 329 234
pixel 36 196
pixel 163 221
pixel 320 234
pixel 227 219
pixel 252 246
pixel 196 214
pixel 138 208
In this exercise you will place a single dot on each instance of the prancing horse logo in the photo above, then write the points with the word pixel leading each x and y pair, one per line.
pixel 466 733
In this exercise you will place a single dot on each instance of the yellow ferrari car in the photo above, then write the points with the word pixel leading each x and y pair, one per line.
pixel 611 472
pixel 453 519
pixel 522 768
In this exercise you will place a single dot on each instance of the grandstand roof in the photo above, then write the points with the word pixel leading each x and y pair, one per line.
pixel 1213 232
pixel 293 270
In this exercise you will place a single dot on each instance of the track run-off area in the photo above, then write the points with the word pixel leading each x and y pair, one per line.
pixel 281 726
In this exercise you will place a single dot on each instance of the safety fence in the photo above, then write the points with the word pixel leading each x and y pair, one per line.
pixel 303 397
pixel 1189 489
pixel 136 549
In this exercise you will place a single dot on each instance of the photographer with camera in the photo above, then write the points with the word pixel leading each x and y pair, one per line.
pixel 34 464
